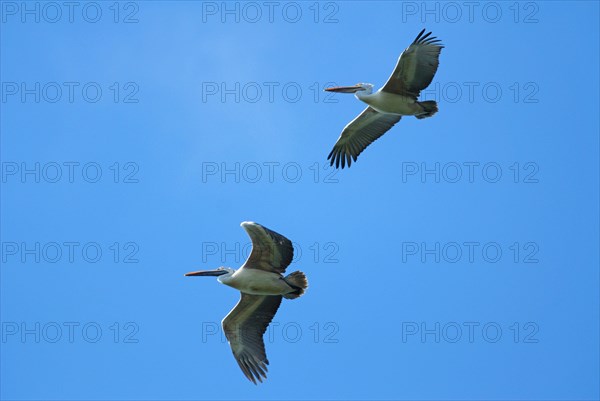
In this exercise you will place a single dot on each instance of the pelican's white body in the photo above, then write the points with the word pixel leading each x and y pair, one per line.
pixel 390 103
pixel 255 282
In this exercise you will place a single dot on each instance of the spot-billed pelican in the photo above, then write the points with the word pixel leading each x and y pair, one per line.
pixel 398 97
pixel 262 285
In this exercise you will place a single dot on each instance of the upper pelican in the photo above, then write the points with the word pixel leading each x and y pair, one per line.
pixel 398 97
pixel 262 285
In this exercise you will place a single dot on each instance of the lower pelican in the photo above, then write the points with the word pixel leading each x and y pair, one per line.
pixel 262 286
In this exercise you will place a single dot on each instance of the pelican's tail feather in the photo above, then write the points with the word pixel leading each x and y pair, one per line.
pixel 429 109
pixel 297 280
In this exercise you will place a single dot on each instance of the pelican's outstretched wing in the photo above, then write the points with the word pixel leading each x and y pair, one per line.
pixel 244 327
pixel 360 133
pixel 416 67
pixel 271 251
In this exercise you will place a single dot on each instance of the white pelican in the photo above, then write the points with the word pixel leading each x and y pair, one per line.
pixel 398 97
pixel 262 285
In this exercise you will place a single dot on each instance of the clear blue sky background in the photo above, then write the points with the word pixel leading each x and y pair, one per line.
pixel 362 234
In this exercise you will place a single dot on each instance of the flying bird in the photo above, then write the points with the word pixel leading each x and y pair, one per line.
pixel 398 97
pixel 262 285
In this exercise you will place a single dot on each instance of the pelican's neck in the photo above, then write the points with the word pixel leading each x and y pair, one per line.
pixel 226 278
pixel 366 92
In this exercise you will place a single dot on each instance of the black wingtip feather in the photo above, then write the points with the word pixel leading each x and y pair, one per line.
pixel 419 35
pixel 425 39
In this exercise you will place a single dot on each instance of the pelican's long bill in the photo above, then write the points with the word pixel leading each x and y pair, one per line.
pixel 217 272
pixel 345 89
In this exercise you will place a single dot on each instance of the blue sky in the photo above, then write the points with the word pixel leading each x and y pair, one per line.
pixel 457 259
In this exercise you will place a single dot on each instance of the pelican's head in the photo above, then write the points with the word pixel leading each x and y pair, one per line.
pixel 221 271
pixel 359 88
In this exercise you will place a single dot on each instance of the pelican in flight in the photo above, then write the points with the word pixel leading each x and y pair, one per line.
pixel 262 285
pixel 398 97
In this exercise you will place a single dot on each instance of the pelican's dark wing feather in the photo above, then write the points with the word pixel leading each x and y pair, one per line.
pixel 244 327
pixel 416 66
pixel 360 133
pixel 271 251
